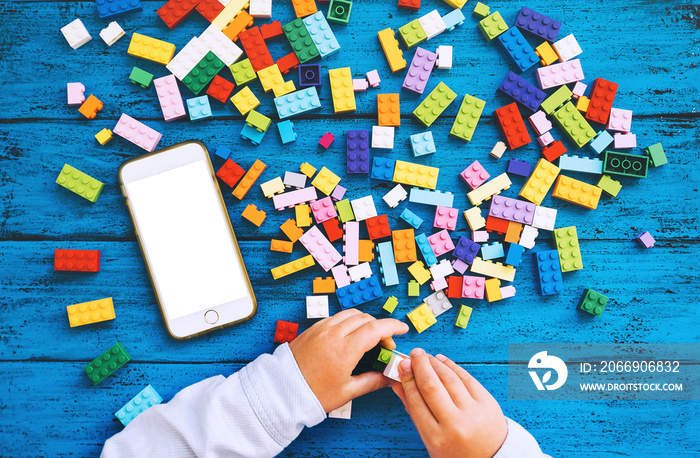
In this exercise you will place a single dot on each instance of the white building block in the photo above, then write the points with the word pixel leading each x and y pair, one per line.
pixel 111 33
pixel 567 48
pixel 396 195
pixel 438 303
pixel 260 8
pixel 187 58
pixel 544 218
pixel 221 45
pixel 432 24
pixel 360 271
pixel 474 219
pixel 317 307
pixel 294 180
pixel 392 369
pixel 343 412
pixel 382 137
pixel 363 208
pixel 351 243
pixel 442 269
pixel 444 57
pixel 76 34
pixel 498 150
pixel 272 187
pixel 528 236
pixel 480 236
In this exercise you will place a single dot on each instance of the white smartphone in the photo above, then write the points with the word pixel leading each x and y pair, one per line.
pixel 186 239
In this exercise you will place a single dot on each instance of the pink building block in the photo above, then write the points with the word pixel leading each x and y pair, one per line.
pixel 323 210
pixel 341 276
pixel 76 93
pixel 438 284
pixel 620 120
pixel 473 287
pixel 514 210
pixel 646 240
pixel 578 91
pixel 169 98
pixel 137 133
pixel 359 85
pixel 625 141
pixel 480 236
pixel 445 218
pixel 459 266
pixel 351 243
pixel 474 175
pixel 441 242
pixel 320 248
pixel 373 78
pixel 290 199
pixel 540 122
pixel 507 291
pixel 559 74
pixel 419 72
pixel 326 140
pixel 338 192
pixel 545 139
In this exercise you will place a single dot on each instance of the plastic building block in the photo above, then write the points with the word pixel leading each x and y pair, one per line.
pixel 514 256
pixel 209 9
pixel 602 97
pixel 317 306
pixel 390 304
pixel 303 8
pixel 581 164
pixel 344 209
pixel 249 179
pixel 270 78
pixel 492 26
pixel 258 121
pixel 518 49
pixel 378 227
pixel 656 154
pixel 366 250
pixel 341 89
pixel 255 48
pixel 351 245
pixel 416 175
pixel 108 9
pixel 413 288
pixel 492 251
pixel 290 199
pixel 513 232
pixel 593 302
pixel 625 141
pixel 392 52
pixel 472 287
pixel 106 364
pixel 282 246
pixel 382 138
pixel 419 71
pixel 76 93
pixel 544 218
pixel 363 208
pixel 272 187
pixel 285 128
pixel 220 42
pixel 411 218
pixel 556 100
pixel 359 293
pixel 169 98
pixel 291 230
pixel 433 105
pixel 549 271
pixel 261 8
pixel 245 101
pixel 553 151
pixel 338 193
pixel 540 123
pixel 325 181
pixel 220 89
pixel 90 107
pixel 103 136
pixel 333 230
pixel 301 41
pixel 388 110
pixel 293 179
pixel 404 245
pixel 497 225
pixel 198 78
pixel 559 74
pixel 372 78
pixel 76 34
pixel 188 57
pixel 512 209
pixel 199 108
pixel 620 120
pixel 464 313
pixel 412 5
pixel 488 189
pixel 297 103
pixel 438 303
pixel 498 150
pixel 566 240
pixel 243 72
pixel 507 291
pixel 444 57
pixel 519 168
pixel 392 368
pixel 441 242
pixel 546 54
pixel 577 192
pixel 422 144
pixel 173 12
pixel 426 251
pixel 323 210
pixel 481 236
pixel 148 397
pixel 481 10
pixel 151 49
pixel 567 48
pixel 512 126
pixel 339 11
pixel 467 118
pixel 323 285
pixel 528 236
pixel 90 312
pixel 445 218
pixel 432 24
pixel 230 172
pixel 454 283
pixel 579 90
pixel 321 34
pixel 466 250
pixel 537 186
pixel 456 3
pixel 76 260
pixel 396 195
pixel 112 33
pixel 357 151
pixel 80 183
pixel 252 214
pixel 318 245
pixel 360 272
pixel 492 289
pixel 326 140
pixel 421 317
pixel 525 93
pixel 453 19
pixel 645 239
pixel 302 214
pixel 230 11
pixel 475 175
pixel 573 123
pixel 271 30
pixel 292 267
pixel 538 24
pixel 285 331
pixel 492 269
pixel 434 198
pixel 222 152
pixel 609 186
pixel 309 75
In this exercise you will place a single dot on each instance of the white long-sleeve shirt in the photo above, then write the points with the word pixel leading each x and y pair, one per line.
pixel 255 412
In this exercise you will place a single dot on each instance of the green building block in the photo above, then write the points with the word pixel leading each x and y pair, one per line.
pixel 141 77
pixel 258 121
pixel 339 12
pixel 105 365
pixel 80 183
pixel 566 241
pixel 413 288
pixel 382 360
pixel 390 304
pixel 463 317
pixel 467 118
pixel 205 71
pixel 302 43
pixel 556 100
pixel 344 209
pixel 481 10
pixel 609 186
pixel 433 105
pixel 242 72
pixel 574 124
pixel 492 26
pixel 412 33
pixel 627 165
pixel 656 155
pixel 592 302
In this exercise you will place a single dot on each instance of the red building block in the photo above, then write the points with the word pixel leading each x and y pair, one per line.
pixel 497 225
pixel 413 5
pixel 454 287
pixel 209 8
pixel 255 48
pixel 271 30
pixel 288 62
pixel 602 97
pixel 554 150
pixel 333 230
pixel 76 260
pixel 175 11
pixel 378 227
pixel 512 126
pixel 286 331
pixel 230 172
pixel 220 88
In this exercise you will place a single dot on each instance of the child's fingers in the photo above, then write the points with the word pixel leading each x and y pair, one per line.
pixel 432 389
pixel 413 399
pixel 350 324
pixel 341 316
pixel 397 388
pixel 367 336
pixel 476 390
pixel 453 384
pixel 366 383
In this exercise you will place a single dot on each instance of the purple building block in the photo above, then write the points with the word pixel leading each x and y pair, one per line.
pixel 358 151
pixel 538 24
pixel 466 250
pixel 518 48
pixel 419 71
pixel 522 91
pixel 309 75
pixel 520 168
pixel 338 192
pixel 646 240
pixel 515 210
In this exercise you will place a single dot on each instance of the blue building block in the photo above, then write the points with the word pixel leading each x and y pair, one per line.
pixel 434 198
pixel 309 75
pixel 286 130
pixel 296 103
pixel 601 141
pixel 422 144
pixel 110 9
pixel 383 169
pixel 223 152
pixel 199 108
pixel 361 292
pixel 515 253
pixel 520 168
pixel 522 91
pixel 581 164
pixel 426 250
pixel 466 250
pixel 358 151
pixel 321 34
pixel 148 397
pixel 549 272
pixel 387 264
pixel 252 134
pixel 518 48
pixel 538 24
pixel 493 251
pixel 453 19
pixel 411 218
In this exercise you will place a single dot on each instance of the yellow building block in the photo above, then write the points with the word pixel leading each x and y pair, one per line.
pixel 271 77
pixel 272 187
pixel 90 312
pixel 103 136
pixel 492 269
pixel 488 189
pixel 456 3
pixel 577 192
pixel 283 89
pixel 390 45
pixel 421 317
pixel 537 185
pixel 546 54
pixel 307 169
pixel 419 272
pixel 474 218
pixel 412 174
pixel 341 90
pixel 151 49
pixel 492 288
pixel 292 267
pixel 325 181
pixel 582 104
pixel 303 215
pixel 229 13
pixel 244 100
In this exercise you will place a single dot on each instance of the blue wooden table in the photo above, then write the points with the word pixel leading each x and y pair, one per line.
pixel 49 408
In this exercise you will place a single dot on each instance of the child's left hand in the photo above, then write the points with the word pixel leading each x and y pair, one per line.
pixel 328 351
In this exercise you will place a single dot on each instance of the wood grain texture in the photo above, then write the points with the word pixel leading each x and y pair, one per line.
pixel 50 409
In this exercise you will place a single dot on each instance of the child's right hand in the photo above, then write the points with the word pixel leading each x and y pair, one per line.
pixel 453 413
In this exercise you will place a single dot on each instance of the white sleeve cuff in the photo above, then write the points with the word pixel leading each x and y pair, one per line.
pixel 519 444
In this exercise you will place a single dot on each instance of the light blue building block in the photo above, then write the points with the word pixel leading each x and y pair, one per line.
pixel 493 251
pixel 321 33
pixel 515 253
pixel 426 250
pixel 434 198
pixel 453 19
pixel 411 218
pixel 199 108
pixel 286 130
pixel 148 397
pixel 223 152
pixel 296 103
pixel 252 134
pixel 387 264
pixel 422 144
pixel 581 164
pixel 601 141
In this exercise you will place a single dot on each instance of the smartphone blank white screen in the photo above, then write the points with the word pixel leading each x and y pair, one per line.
pixel 186 240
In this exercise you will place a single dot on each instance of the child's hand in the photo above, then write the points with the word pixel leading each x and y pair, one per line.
pixel 453 413
pixel 329 350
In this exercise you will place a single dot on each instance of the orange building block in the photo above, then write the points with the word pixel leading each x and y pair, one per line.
pixel 252 214
pixel 404 246
pixel 249 179
pixel 90 107
pixel 513 232
pixel 281 245
pixel 324 285
pixel 389 110
pixel 242 21
pixel 303 8
pixel 366 251
pixel 291 230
